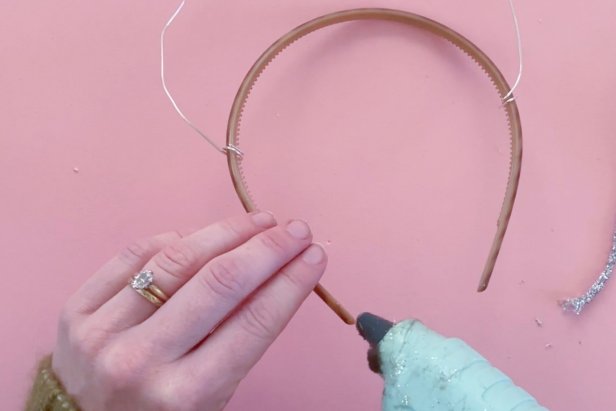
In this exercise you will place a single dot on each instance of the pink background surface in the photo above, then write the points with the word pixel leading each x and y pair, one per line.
pixel 387 140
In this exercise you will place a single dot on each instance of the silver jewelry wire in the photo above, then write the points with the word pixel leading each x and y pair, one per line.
pixel 576 305
pixel 225 150
pixel 509 97
pixel 233 149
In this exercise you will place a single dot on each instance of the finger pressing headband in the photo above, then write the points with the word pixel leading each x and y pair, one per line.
pixel 234 155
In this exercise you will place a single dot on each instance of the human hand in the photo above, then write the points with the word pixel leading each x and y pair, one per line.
pixel 233 287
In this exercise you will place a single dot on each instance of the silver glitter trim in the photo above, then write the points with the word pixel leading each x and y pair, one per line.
pixel 576 305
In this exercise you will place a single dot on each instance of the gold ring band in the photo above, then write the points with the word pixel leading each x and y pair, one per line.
pixel 157 292
pixel 150 297
pixel 143 283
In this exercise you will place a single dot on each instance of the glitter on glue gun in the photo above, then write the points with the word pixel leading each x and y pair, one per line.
pixel 423 370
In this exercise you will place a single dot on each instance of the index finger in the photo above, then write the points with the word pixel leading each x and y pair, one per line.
pixel 217 289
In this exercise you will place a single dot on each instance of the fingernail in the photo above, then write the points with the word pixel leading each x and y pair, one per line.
pixel 313 254
pixel 298 229
pixel 263 219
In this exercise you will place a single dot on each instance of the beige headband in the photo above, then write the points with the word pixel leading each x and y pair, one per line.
pixel 511 110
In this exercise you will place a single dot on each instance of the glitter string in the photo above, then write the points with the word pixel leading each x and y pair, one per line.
pixel 576 305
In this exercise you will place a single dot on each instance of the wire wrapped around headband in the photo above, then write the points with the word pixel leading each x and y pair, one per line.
pixel 504 90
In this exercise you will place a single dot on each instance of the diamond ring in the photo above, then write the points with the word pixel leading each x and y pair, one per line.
pixel 143 283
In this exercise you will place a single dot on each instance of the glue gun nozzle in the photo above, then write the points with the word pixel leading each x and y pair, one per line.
pixel 372 327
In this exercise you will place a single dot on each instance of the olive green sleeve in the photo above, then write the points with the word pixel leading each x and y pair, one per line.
pixel 47 392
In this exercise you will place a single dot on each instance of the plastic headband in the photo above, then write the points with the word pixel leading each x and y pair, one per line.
pixel 234 157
